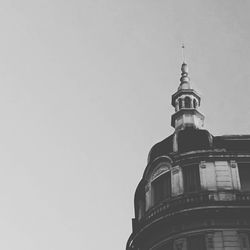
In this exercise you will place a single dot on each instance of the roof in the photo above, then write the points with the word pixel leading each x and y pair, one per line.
pixel 191 139
pixel 188 139
pixel 236 143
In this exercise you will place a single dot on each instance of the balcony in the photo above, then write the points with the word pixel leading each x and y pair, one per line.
pixel 196 200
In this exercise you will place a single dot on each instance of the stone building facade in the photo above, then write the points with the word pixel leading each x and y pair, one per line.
pixel 195 190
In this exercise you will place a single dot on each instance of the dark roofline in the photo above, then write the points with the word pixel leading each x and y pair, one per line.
pixel 234 137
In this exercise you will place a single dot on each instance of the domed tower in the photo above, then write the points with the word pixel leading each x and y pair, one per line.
pixel 195 191
pixel 186 102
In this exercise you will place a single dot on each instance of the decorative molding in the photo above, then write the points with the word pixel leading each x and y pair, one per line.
pixel 165 158
pixel 233 164
pixel 175 169
pixel 202 164
pixel 160 169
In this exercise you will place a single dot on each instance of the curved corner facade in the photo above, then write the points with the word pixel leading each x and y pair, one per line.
pixel 194 193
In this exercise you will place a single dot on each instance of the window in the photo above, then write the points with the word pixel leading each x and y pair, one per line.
pixel 194 103
pixel 196 242
pixel 244 241
pixel 187 101
pixel 244 172
pixel 191 178
pixel 162 187
pixel 180 103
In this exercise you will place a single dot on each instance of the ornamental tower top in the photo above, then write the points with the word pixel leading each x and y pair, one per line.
pixel 186 102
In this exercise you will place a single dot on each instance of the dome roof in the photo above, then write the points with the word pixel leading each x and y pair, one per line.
pixel 164 147
pixel 189 139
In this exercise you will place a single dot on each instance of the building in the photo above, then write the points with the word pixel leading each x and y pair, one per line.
pixel 195 190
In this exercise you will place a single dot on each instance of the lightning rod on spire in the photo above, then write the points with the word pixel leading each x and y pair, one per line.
pixel 183 52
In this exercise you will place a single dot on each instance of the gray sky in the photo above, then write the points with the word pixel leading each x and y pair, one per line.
pixel 85 90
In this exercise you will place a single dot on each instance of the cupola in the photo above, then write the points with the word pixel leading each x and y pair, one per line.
pixel 186 102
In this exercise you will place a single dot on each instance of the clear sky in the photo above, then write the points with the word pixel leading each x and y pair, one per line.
pixel 85 90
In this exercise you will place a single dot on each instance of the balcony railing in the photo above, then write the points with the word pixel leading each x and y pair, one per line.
pixel 192 200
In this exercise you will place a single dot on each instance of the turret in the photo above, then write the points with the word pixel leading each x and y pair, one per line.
pixel 186 102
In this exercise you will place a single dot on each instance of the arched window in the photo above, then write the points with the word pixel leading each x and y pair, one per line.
pixel 187 101
pixel 161 187
pixel 194 103
pixel 180 103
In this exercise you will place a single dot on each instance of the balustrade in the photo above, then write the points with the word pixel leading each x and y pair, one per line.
pixel 192 200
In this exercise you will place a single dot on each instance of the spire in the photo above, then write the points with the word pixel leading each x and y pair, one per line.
pixel 184 80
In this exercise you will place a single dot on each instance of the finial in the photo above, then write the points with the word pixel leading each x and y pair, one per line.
pixel 184 70
pixel 184 75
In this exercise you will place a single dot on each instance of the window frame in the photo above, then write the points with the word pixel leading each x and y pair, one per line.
pixel 160 186
pixel 244 187
pixel 186 187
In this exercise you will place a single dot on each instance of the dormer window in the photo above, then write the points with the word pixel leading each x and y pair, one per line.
pixel 161 187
